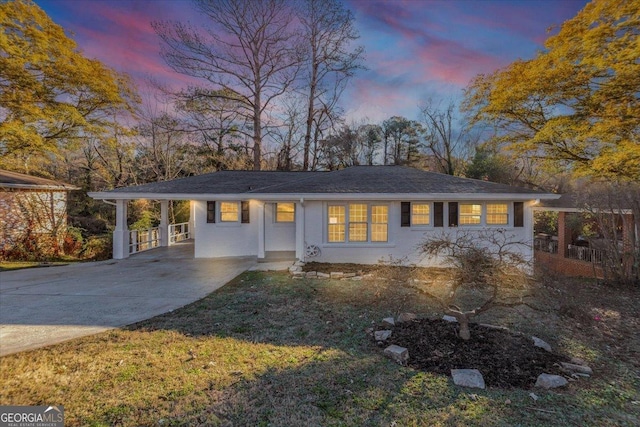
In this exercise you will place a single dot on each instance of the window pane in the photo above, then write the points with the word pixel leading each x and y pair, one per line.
pixel 229 211
pixel 336 232
pixel 420 214
pixel 285 212
pixel 497 214
pixel 378 232
pixel 358 213
pixel 358 232
pixel 336 229
pixel 470 214
pixel 379 214
pixel 336 214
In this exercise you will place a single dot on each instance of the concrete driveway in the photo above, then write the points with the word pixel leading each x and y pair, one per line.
pixel 43 306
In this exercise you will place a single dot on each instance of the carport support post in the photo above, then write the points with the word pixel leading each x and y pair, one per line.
pixel 121 232
pixel 300 246
pixel 164 223
pixel 261 248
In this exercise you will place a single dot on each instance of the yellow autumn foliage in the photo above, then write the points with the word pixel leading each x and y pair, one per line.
pixel 51 95
pixel 578 100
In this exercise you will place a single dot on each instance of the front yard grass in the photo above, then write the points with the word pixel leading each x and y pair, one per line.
pixel 268 350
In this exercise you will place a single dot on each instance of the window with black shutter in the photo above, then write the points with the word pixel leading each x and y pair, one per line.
pixel 453 214
pixel 244 208
pixel 518 214
pixel 405 214
pixel 211 212
pixel 438 214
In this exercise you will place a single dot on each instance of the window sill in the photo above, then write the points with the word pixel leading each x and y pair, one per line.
pixel 360 245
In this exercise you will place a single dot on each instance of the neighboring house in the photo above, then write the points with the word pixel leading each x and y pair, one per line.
pixel 31 207
pixel 361 214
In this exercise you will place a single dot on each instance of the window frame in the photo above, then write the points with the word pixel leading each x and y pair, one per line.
pixel 346 206
pixel 462 215
pixel 276 213
pixel 414 215
pixel 505 214
pixel 221 212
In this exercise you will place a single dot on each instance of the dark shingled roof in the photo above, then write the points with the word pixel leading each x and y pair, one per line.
pixel 356 179
pixel 10 179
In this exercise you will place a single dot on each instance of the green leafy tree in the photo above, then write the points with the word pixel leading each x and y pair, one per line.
pixel 576 103
pixel 51 95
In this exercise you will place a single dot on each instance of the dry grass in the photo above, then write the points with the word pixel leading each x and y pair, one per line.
pixel 267 350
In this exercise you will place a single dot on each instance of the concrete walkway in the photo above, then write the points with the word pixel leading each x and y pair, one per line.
pixel 43 306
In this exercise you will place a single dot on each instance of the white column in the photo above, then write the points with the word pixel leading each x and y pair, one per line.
pixel 192 219
pixel 300 245
pixel 261 253
pixel 164 223
pixel 121 232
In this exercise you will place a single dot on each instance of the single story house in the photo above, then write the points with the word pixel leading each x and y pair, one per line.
pixel 360 214
pixel 31 207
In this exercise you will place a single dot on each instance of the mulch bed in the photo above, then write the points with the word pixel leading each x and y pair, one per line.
pixel 505 359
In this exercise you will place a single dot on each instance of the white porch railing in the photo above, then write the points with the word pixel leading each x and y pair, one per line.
pixel 587 254
pixel 143 240
pixel 179 232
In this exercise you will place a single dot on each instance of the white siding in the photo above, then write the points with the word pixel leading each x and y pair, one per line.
pixel 279 236
pixel 218 240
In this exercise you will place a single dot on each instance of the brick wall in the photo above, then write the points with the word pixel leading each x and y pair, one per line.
pixel 567 266
pixel 44 212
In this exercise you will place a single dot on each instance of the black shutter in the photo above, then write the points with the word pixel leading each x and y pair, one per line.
pixel 453 214
pixel 518 214
pixel 245 212
pixel 405 214
pixel 211 212
pixel 438 214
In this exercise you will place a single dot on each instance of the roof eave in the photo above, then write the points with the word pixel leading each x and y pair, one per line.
pixel 106 195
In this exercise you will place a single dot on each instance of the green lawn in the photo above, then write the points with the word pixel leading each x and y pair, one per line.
pixel 268 350
pixel 19 265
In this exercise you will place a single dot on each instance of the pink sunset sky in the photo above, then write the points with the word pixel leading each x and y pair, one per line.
pixel 415 49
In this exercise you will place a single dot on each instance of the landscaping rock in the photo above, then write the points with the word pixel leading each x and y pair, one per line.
pixel 389 321
pixel 349 275
pixel 499 328
pixel 298 274
pixel 541 343
pixel 299 263
pixel 406 317
pixel 295 268
pixel 323 275
pixel 578 361
pixel 382 335
pixel 336 275
pixel 550 381
pixel 468 378
pixel 397 353
pixel 449 318
pixel 581 369
pixel 311 274
pixel 356 278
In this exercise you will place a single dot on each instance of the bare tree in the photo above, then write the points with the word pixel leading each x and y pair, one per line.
pixel 615 207
pixel 328 33
pixel 289 134
pixel 217 120
pixel 249 49
pixel 446 141
pixel 485 261
pixel 401 140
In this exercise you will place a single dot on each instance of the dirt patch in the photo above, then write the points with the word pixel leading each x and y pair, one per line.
pixel 505 359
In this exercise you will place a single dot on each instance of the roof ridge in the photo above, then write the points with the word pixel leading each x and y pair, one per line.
pixel 286 183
